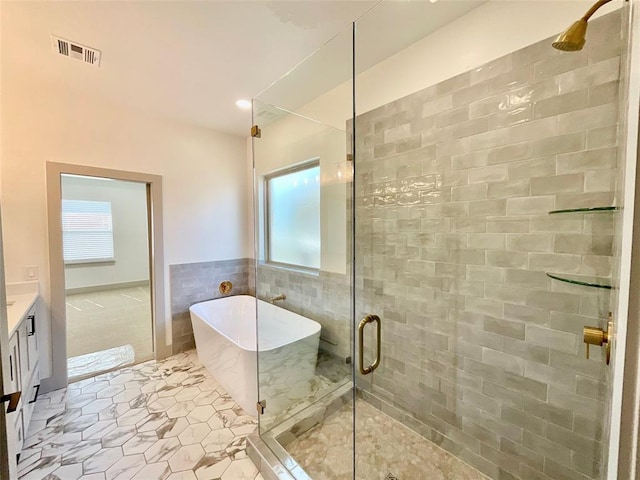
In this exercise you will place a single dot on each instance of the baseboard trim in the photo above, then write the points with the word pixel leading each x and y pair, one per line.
pixel 110 286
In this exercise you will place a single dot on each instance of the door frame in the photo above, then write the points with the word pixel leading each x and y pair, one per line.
pixel 59 377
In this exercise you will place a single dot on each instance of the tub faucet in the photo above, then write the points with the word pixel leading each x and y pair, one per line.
pixel 282 296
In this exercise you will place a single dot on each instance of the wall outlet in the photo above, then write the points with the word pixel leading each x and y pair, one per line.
pixel 31 272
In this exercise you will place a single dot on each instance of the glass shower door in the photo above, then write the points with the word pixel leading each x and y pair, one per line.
pixel 486 208
pixel 302 180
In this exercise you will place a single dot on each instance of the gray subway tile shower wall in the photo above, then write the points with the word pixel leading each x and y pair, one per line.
pixel 482 352
pixel 324 297
pixel 197 282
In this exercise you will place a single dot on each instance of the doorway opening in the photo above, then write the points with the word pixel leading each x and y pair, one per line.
pixel 105 236
pixel 106 271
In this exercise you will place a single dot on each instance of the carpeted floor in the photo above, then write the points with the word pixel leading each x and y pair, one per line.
pixel 108 319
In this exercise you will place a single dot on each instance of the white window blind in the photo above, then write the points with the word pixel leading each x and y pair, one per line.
pixel 87 231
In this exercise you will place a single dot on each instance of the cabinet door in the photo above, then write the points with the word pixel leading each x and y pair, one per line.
pixel 14 363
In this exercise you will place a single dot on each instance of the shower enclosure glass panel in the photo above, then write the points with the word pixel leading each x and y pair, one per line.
pixel 482 285
pixel 465 251
pixel 302 175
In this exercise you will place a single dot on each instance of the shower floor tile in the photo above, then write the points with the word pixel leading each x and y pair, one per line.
pixel 384 449
pixel 140 422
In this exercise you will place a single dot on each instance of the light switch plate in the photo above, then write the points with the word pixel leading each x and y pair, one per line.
pixel 31 272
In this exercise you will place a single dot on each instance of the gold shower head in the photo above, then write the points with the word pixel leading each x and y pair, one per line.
pixel 574 37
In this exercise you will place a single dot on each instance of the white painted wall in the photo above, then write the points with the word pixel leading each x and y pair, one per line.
pixel 204 172
pixel 490 31
pixel 130 232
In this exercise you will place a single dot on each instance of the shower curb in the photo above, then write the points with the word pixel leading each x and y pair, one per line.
pixel 264 459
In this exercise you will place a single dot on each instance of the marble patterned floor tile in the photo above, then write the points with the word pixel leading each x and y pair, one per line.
pixel 206 398
pixel 194 434
pixel 132 417
pixel 81 452
pixel 66 472
pixel 64 417
pixel 200 414
pixel 36 426
pixel 173 427
pixel 186 475
pixel 240 470
pixel 60 444
pixel 102 460
pixel 211 466
pixel 126 468
pixel 188 393
pixel 93 476
pixel 139 443
pixel 80 401
pixel 81 423
pixel 154 470
pixel 162 450
pixel 40 469
pixel 180 409
pixel 110 391
pixel 118 436
pixel 99 429
pixel 186 458
pixel 151 421
pixel 95 387
pixel 96 406
pixel 115 411
pixel 162 404
pixel 128 395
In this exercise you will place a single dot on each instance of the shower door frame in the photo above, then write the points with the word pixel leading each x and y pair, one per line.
pixel 624 434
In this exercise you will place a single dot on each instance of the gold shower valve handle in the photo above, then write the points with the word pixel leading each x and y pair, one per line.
pixel 596 336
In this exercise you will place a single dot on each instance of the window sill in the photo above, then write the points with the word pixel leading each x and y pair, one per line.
pixel 90 262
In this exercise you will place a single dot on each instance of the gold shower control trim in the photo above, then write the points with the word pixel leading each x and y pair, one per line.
pixel 597 336
pixel 225 287
pixel 363 323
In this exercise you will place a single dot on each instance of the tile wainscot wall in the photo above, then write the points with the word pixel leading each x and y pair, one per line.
pixel 197 282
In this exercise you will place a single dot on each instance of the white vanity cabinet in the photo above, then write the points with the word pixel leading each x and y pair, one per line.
pixel 24 374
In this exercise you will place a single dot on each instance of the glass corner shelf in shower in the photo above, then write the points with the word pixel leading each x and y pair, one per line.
pixel 586 210
pixel 584 280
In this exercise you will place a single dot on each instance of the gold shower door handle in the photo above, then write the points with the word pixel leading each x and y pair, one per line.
pixel 363 323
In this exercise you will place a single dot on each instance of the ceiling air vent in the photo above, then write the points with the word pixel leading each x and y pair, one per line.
pixel 74 50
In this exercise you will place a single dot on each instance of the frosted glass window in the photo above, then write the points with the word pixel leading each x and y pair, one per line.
pixel 87 231
pixel 293 217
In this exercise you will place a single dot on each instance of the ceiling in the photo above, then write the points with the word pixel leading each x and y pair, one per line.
pixel 191 60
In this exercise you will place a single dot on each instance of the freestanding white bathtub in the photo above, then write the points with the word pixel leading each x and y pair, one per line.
pixel 226 343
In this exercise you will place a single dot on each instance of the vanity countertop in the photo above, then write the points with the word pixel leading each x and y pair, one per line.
pixel 21 305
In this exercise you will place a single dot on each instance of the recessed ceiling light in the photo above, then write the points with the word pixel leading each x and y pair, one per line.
pixel 243 104
pixel 433 1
